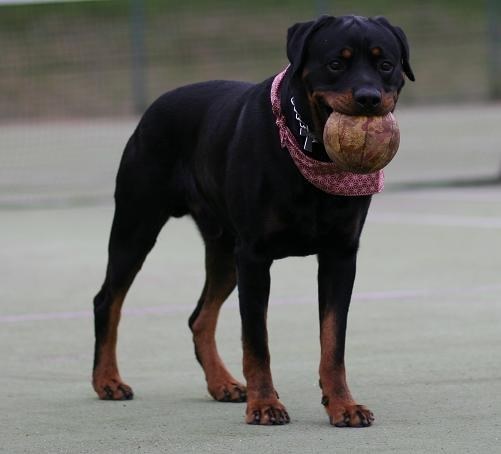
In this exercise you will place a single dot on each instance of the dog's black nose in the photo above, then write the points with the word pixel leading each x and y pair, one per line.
pixel 368 98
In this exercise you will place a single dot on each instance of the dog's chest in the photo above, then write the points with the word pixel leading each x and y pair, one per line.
pixel 308 229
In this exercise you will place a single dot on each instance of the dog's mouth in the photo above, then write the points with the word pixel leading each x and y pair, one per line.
pixel 326 109
pixel 327 102
pixel 324 103
pixel 325 112
pixel 321 112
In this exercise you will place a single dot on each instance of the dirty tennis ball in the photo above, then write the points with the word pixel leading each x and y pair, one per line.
pixel 361 144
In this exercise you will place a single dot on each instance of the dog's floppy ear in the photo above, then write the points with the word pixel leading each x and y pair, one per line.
pixel 297 39
pixel 404 45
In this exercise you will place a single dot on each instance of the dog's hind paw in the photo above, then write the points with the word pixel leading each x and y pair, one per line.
pixel 348 415
pixel 112 389
pixel 229 392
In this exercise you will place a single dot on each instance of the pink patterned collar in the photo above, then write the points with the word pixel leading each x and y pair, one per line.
pixel 323 175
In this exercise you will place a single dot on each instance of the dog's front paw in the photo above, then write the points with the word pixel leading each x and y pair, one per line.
pixel 348 414
pixel 112 388
pixel 266 412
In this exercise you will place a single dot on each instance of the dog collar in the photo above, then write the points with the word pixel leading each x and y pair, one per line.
pixel 304 130
pixel 323 175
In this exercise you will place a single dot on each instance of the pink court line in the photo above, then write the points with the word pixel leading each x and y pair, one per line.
pixel 175 309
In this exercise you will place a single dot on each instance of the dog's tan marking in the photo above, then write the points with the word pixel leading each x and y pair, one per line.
pixel 344 102
pixel 263 404
pixel 106 379
pixel 347 53
pixel 342 409
pixel 221 280
pixel 221 384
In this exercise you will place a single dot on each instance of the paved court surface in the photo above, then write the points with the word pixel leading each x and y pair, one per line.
pixel 424 335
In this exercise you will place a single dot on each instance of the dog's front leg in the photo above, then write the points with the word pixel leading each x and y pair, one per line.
pixel 263 406
pixel 336 275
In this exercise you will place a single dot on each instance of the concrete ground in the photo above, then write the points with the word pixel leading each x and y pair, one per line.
pixel 424 335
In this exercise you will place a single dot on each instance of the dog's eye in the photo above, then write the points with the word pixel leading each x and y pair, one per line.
pixel 336 65
pixel 386 66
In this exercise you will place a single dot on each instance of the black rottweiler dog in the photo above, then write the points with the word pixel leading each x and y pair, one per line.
pixel 216 151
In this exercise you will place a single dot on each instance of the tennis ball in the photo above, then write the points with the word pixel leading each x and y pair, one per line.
pixel 361 144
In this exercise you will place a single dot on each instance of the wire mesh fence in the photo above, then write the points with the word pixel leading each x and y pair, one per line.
pixel 94 58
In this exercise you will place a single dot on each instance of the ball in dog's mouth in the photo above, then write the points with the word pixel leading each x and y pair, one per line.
pixel 361 144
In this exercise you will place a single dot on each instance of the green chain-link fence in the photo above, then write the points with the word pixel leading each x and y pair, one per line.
pixel 113 57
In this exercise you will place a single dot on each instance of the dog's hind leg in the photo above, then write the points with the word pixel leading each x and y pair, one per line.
pixel 140 213
pixel 220 282
pixel 133 235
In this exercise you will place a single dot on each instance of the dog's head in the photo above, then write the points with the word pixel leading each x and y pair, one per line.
pixel 350 64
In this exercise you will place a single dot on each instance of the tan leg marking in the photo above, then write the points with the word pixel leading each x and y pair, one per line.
pixel 342 409
pixel 222 386
pixel 106 379
pixel 263 404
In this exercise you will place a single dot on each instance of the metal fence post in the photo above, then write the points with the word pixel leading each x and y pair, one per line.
pixel 138 55
pixel 493 11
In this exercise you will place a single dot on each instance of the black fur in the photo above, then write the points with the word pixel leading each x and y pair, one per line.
pixel 212 151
